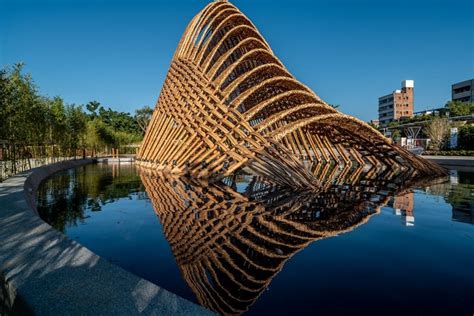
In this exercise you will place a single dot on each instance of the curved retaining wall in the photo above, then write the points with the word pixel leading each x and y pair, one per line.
pixel 43 272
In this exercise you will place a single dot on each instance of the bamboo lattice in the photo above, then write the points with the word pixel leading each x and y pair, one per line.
pixel 228 102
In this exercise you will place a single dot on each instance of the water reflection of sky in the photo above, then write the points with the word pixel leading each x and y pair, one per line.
pixel 415 256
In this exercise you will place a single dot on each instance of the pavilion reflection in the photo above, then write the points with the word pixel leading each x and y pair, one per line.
pixel 231 238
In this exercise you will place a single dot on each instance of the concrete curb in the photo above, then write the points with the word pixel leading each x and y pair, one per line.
pixel 43 272
pixel 455 161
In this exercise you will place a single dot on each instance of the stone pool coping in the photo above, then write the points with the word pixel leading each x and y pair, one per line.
pixel 452 161
pixel 43 272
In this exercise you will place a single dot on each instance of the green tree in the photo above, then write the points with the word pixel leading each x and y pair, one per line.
pixel 457 108
pixel 21 112
pixel 143 117
pixel 396 134
pixel 92 107
pixel 58 123
pixel 119 121
pixel 466 137
pixel 438 130
pixel 28 119
pixel 76 124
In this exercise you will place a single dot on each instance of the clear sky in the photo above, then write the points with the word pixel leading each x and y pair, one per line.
pixel 348 52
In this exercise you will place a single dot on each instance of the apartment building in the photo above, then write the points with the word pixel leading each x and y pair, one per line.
pixel 463 91
pixel 397 105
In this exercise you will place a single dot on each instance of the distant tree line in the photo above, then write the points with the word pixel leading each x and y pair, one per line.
pixel 438 124
pixel 451 109
pixel 29 118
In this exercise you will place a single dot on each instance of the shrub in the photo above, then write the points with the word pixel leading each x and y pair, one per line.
pixel 466 137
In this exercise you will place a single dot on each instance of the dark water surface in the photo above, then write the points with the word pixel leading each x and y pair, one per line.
pixel 367 244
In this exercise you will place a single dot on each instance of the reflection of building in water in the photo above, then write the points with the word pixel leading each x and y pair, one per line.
pixel 403 206
pixel 453 177
pixel 230 245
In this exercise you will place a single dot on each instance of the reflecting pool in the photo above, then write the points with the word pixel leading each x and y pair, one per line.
pixel 372 242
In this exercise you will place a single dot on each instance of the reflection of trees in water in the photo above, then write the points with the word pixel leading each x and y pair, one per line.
pixel 230 245
pixel 64 198
pixel 459 194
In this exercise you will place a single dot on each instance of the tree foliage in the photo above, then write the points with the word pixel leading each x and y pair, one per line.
pixel 28 118
pixel 438 131
pixel 457 108
pixel 466 137
pixel 143 117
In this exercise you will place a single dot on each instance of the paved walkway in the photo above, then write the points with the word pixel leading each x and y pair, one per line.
pixel 45 273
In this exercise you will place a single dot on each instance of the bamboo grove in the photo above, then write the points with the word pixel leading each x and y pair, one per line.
pixel 35 129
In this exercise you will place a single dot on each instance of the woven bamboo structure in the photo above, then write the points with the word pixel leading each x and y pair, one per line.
pixel 228 102
pixel 230 245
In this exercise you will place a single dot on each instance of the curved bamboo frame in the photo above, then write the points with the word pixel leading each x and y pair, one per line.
pixel 228 102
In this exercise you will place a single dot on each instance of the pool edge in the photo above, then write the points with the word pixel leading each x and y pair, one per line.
pixel 43 272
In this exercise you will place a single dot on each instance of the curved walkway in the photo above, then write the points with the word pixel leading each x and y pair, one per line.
pixel 45 273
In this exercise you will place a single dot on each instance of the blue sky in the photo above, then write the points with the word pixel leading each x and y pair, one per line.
pixel 348 52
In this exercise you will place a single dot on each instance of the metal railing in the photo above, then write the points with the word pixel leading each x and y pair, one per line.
pixel 16 158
